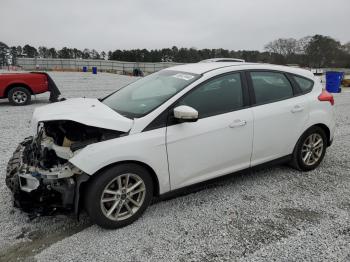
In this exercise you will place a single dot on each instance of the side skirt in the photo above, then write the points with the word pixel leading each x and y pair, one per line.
pixel 208 183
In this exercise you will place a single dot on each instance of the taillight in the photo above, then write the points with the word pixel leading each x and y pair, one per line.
pixel 325 96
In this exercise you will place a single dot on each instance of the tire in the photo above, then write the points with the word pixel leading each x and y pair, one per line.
pixel 114 209
pixel 19 96
pixel 310 149
pixel 12 167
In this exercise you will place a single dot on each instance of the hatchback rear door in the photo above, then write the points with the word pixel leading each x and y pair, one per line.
pixel 280 115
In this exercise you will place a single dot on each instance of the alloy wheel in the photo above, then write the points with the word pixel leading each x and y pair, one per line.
pixel 123 197
pixel 312 149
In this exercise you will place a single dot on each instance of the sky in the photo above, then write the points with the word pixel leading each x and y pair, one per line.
pixel 127 24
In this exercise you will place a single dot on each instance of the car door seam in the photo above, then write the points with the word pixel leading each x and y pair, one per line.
pixel 167 154
pixel 252 146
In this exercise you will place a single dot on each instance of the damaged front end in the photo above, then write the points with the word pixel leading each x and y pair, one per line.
pixel 39 173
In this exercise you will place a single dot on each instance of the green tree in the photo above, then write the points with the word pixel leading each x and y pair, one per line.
pixel 103 55
pixel 110 53
pixel 19 51
pixel 283 46
pixel 13 54
pixel 94 54
pixel 4 52
pixel 77 53
pixel 43 51
pixel 86 53
pixel 64 53
pixel 204 54
pixel 346 48
pixel 52 53
pixel 167 55
pixel 30 51
pixel 323 51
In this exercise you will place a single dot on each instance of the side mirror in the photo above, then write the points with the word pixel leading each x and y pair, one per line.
pixel 185 114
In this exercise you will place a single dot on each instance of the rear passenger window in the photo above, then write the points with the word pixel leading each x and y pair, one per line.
pixel 217 96
pixel 304 84
pixel 270 87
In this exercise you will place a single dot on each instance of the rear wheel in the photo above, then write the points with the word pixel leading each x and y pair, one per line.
pixel 19 96
pixel 119 195
pixel 310 149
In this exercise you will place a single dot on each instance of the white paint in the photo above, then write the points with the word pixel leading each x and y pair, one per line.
pixel 87 111
pixel 185 112
pixel 209 148
pixel 187 153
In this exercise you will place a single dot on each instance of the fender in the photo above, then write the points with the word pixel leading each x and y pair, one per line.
pixel 146 147
pixel 322 115
pixel 14 83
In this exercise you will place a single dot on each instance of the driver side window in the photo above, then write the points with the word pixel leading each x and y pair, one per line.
pixel 217 96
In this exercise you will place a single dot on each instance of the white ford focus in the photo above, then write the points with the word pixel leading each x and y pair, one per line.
pixel 174 128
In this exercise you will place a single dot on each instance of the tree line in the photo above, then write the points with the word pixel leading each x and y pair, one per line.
pixel 311 51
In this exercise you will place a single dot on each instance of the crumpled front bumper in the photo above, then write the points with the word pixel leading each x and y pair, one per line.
pixel 42 197
pixel 43 192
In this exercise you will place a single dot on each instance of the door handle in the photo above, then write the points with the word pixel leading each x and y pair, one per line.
pixel 238 123
pixel 297 108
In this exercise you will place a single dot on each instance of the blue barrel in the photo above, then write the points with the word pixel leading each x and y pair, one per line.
pixel 94 70
pixel 333 81
pixel 84 68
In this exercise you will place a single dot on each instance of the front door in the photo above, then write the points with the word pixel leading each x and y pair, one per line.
pixel 220 142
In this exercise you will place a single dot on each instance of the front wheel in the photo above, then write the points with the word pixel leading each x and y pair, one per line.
pixel 119 195
pixel 310 149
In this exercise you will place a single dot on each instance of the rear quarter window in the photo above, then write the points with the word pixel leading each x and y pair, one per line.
pixel 305 85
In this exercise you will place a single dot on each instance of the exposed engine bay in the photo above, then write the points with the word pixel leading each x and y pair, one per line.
pixel 39 173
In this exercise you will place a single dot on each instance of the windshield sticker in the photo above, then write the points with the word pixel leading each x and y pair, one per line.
pixel 183 76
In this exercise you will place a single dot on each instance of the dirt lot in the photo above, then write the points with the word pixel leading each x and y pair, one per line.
pixel 273 214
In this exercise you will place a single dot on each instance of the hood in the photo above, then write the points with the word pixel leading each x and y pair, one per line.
pixel 88 111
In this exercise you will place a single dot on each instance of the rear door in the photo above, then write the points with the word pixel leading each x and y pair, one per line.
pixel 280 115
pixel 220 142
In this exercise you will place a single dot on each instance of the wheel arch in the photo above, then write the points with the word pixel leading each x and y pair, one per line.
pixel 326 130
pixel 80 194
pixel 295 162
pixel 142 164
pixel 324 127
pixel 9 87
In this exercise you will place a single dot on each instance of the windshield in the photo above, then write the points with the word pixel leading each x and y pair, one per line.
pixel 141 97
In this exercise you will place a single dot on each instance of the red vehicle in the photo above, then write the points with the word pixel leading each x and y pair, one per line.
pixel 19 87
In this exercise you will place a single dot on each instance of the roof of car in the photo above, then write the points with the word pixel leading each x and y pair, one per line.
pixel 222 59
pixel 202 68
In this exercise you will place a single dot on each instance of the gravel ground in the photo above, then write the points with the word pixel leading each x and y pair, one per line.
pixel 275 214
pixel 18 235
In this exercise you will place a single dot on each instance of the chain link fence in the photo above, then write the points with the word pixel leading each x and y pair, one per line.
pixel 119 67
